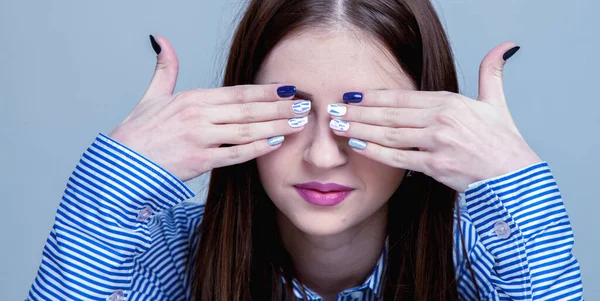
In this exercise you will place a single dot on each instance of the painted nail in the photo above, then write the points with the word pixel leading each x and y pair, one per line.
pixel 298 121
pixel 275 140
pixel 301 107
pixel 155 45
pixel 286 91
pixel 336 109
pixel 353 97
pixel 357 144
pixel 339 125
pixel 510 53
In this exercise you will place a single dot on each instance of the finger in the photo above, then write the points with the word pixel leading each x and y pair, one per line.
pixel 246 94
pixel 383 116
pixel 225 156
pixel 387 136
pixel 399 158
pixel 395 98
pixel 247 132
pixel 166 71
pixel 257 111
pixel 491 87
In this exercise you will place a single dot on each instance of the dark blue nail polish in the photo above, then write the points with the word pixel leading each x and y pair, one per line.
pixel 155 45
pixel 353 97
pixel 510 53
pixel 286 91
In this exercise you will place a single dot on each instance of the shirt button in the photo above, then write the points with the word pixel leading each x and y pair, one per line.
pixel 356 295
pixel 144 214
pixel 502 229
pixel 117 296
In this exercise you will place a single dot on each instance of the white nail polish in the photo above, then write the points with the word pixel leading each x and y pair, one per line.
pixel 339 125
pixel 298 121
pixel 336 109
pixel 301 107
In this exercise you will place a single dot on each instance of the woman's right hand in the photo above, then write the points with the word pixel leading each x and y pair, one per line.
pixel 182 132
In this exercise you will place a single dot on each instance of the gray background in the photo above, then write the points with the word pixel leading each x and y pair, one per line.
pixel 70 69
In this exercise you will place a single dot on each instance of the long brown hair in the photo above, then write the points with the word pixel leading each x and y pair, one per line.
pixel 240 256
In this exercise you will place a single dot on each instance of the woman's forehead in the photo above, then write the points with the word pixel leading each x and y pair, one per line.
pixel 333 60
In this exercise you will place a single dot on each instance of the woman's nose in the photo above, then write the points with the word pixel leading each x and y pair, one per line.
pixel 324 149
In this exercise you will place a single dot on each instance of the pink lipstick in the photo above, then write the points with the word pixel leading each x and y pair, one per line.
pixel 329 194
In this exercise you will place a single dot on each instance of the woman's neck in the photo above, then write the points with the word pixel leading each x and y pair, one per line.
pixel 330 264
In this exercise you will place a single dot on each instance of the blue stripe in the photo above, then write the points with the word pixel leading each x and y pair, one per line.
pixel 127 175
pixel 175 183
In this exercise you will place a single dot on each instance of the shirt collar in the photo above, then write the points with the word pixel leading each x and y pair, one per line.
pixel 373 282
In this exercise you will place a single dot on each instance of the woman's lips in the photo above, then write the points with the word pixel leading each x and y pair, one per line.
pixel 329 194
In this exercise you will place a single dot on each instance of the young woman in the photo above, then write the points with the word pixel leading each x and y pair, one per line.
pixel 337 149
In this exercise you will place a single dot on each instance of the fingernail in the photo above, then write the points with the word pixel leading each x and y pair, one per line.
pixel 286 91
pixel 339 125
pixel 301 107
pixel 353 97
pixel 275 140
pixel 336 109
pixel 510 52
pixel 357 144
pixel 155 45
pixel 298 121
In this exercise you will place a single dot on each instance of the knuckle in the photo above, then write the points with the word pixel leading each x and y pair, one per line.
pixel 440 137
pixel 244 132
pixel 181 96
pixel 238 93
pixel 447 116
pixel 189 137
pixel 443 165
pixel 233 153
pixel 449 98
pixel 188 98
pixel 433 164
pixel 161 65
pixel 193 158
pixel 391 115
pixel 247 112
pixel 491 67
pixel 391 134
pixel 398 157
pixel 189 112
pixel 458 101
pixel 445 94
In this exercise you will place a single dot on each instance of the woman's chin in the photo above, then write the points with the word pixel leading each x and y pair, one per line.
pixel 320 225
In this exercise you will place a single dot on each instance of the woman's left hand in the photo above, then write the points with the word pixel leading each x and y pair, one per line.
pixel 459 140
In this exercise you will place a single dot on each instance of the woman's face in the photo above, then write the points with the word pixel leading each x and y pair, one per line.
pixel 323 65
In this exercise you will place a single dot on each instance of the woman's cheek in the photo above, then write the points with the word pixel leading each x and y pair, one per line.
pixel 273 169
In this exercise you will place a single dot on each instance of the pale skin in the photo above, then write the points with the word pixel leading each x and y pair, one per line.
pixel 460 141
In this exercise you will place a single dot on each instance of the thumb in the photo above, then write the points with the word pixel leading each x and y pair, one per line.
pixel 167 68
pixel 491 86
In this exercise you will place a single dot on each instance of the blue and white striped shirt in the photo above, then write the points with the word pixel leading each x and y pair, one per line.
pixel 123 232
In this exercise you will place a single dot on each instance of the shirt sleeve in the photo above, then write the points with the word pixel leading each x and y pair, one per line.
pixel 101 225
pixel 519 239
